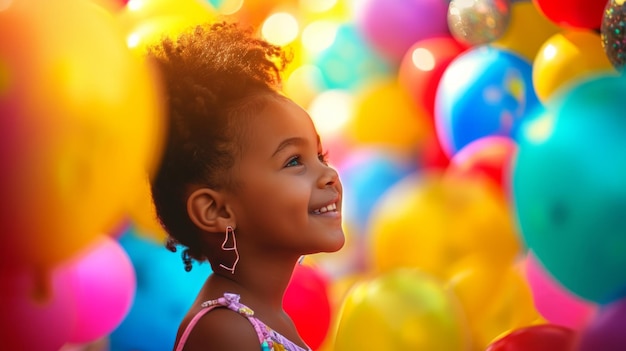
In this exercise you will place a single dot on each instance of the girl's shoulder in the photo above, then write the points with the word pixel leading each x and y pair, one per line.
pixel 223 329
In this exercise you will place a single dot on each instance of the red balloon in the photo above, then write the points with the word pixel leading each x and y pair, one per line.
pixel 543 337
pixel 488 157
pixel 423 65
pixel 573 13
pixel 308 304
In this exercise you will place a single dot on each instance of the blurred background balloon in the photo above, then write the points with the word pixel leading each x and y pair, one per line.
pixel 585 14
pixel 478 22
pixel 164 293
pixel 404 309
pixel 494 298
pixel 30 320
pixel 307 302
pixel 81 119
pixel 103 281
pixel 431 223
pixel 522 38
pixel 146 21
pixel 392 26
pixel 555 303
pixel 612 33
pixel 488 159
pixel 566 57
pixel 484 91
pixel 543 337
pixel 569 190
pixel 606 330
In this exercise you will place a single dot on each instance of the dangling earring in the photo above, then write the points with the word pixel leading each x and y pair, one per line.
pixel 231 231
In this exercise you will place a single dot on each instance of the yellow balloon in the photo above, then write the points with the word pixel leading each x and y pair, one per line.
pixel 386 116
pixel 431 223
pixel 566 58
pixel 495 299
pixel 142 212
pixel 147 21
pixel 86 118
pixel 404 309
pixel 528 29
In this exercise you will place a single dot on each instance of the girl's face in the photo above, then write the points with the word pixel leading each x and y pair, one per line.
pixel 288 199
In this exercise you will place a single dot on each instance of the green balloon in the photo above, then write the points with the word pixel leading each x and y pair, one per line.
pixel 569 188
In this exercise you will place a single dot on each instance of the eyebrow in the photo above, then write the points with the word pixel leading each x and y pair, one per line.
pixel 292 141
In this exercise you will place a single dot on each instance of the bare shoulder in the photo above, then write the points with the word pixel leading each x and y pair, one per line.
pixel 222 330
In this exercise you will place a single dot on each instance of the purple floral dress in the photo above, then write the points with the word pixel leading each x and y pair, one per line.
pixel 269 339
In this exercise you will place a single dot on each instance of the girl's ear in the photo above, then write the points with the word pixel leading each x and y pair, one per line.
pixel 207 210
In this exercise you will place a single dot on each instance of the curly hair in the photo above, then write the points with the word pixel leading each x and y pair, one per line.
pixel 213 74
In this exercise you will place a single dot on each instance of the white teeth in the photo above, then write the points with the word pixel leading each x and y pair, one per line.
pixel 331 207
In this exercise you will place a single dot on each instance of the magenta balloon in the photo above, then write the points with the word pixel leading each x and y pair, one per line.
pixel 393 26
pixel 35 315
pixel 554 302
pixel 104 288
pixel 607 330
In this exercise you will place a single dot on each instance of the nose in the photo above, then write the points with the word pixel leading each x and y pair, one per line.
pixel 328 177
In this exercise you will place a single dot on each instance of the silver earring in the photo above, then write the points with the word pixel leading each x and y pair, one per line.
pixel 230 231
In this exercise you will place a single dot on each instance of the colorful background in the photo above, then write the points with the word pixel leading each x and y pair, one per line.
pixel 480 142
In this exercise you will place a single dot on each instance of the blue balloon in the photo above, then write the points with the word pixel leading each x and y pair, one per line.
pixel 569 188
pixel 485 91
pixel 366 175
pixel 164 294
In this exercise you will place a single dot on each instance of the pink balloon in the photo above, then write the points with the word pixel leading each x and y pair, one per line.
pixel 553 301
pixel 38 312
pixel 104 284
pixel 393 26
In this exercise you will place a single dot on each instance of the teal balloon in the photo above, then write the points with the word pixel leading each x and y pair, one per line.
pixel 350 62
pixel 569 188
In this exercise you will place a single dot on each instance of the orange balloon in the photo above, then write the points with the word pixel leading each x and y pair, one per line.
pixel 386 116
pixel 80 117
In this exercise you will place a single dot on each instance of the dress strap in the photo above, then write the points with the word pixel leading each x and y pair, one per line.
pixel 230 301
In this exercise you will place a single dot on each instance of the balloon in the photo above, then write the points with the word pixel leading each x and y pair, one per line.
pixel 403 309
pixel 569 190
pixel 545 337
pixel 142 213
pixel 484 91
pixel 557 305
pixel 606 330
pixel 307 302
pixel 586 14
pixel 349 62
pixel 104 285
pixel 366 174
pixel 478 22
pixel 157 309
pixel 432 223
pixel 565 58
pixel 522 38
pixel 422 67
pixel 38 310
pixel 81 117
pixel 392 26
pixel 612 32
pixel 385 117
pixel 488 158
pixel 146 21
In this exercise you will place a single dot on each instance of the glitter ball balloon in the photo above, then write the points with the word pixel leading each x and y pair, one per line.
pixel 612 32
pixel 476 22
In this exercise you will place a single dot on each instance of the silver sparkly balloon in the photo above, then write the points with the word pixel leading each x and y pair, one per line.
pixel 476 22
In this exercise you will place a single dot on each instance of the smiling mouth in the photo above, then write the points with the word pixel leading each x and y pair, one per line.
pixel 328 208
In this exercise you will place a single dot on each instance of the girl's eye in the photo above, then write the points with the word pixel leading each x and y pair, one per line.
pixel 323 157
pixel 294 161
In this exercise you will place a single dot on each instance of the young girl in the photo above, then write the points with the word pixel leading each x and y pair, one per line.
pixel 243 184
